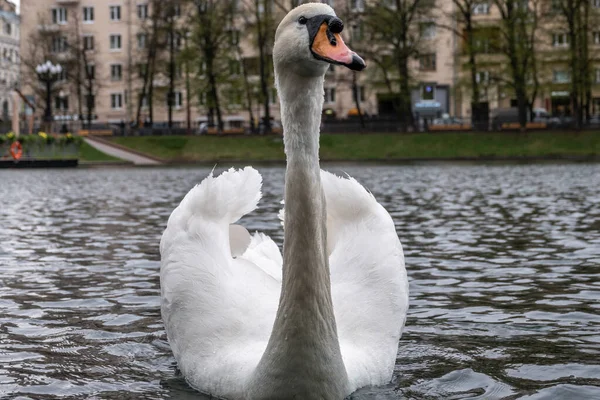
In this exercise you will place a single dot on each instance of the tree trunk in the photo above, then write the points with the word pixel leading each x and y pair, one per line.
pixel 262 43
pixel 355 93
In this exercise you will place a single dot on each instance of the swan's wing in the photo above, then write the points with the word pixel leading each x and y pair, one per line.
pixel 368 279
pixel 219 286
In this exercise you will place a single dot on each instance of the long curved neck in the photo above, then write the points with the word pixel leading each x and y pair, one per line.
pixel 303 351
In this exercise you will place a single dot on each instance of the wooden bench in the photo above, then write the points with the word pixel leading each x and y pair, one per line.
pixel 231 131
pixel 529 125
pixel 96 132
pixel 450 127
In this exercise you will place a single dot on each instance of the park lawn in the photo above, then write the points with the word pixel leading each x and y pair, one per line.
pixel 372 146
pixel 89 153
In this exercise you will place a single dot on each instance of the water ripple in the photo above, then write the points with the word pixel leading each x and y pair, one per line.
pixel 503 264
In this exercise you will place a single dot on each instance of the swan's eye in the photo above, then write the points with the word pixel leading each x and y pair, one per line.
pixel 302 20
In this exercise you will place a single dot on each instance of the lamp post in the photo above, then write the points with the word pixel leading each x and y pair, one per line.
pixel 48 73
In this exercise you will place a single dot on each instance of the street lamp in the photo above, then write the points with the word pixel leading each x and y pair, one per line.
pixel 48 73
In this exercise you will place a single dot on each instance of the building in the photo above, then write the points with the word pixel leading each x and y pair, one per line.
pixel 553 71
pixel 113 37
pixel 9 56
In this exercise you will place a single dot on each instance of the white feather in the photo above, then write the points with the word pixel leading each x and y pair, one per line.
pixel 219 310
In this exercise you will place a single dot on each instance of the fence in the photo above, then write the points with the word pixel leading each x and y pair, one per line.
pixel 328 126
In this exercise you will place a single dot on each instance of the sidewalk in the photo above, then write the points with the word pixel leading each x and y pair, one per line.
pixel 118 152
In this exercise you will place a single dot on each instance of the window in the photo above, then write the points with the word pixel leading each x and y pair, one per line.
pixel 556 6
pixel 234 37
pixel 61 103
pixel 328 2
pixel 561 77
pixel 88 42
pixel 88 14
pixel 143 70
pixel 428 92
pixel 596 37
pixel 142 40
pixel 90 72
pixel 265 5
pixel 361 93
pixel 144 100
pixel 115 42
pixel 90 101
pixel 428 30
pixel 59 15
pixel 483 77
pixel 235 97
pixel 178 100
pixel 59 44
pixel 116 72
pixel 560 40
pixel 116 101
pixel 482 45
pixel 178 72
pixel 357 5
pixel 329 95
pixel 234 67
pixel 427 62
pixel 481 8
pixel 62 76
pixel 177 10
pixel 357 32
pixel 142 11
pixel 596 3
pixel 115 13
pixel 8 28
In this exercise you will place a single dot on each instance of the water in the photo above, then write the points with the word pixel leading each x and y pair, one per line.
pixel 504 267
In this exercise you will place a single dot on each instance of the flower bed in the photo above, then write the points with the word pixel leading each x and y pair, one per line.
pixel 42 145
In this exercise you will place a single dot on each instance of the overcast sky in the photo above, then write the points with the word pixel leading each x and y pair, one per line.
pixel 18 2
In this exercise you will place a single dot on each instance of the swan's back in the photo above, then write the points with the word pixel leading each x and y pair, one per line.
pixel 218 310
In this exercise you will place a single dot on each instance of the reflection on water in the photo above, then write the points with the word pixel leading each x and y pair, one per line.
pixel 504 267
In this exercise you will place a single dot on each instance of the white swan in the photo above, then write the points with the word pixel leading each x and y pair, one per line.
pixel 242 322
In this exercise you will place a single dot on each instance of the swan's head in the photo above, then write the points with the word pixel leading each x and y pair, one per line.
pixel 308 40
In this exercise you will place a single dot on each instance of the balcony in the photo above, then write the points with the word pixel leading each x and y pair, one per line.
pixel 49 28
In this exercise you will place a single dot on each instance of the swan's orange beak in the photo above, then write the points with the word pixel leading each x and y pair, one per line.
pixel 330 47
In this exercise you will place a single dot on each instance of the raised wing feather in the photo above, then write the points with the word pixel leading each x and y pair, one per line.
pixel 368 278
pixel 218 310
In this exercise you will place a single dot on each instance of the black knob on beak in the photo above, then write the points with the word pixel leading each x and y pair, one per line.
pixel 336 25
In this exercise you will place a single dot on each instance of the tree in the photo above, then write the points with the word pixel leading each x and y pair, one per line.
pixel 575 16
pixel 353 23
pixel 518 28
pixel 471 36
pixel 74 52
pixel 152 43
pixel 212 47
pixel 393 38
pixel 260 21
pixel 82 55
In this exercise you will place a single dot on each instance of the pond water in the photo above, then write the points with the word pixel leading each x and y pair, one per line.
pixel 503 261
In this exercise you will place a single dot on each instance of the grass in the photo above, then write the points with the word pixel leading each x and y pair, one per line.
pixel 88 153
pixel 372 146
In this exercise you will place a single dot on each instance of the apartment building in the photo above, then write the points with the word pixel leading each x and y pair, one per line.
pixel 552 52
pixel 9 56
pixel 112 33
